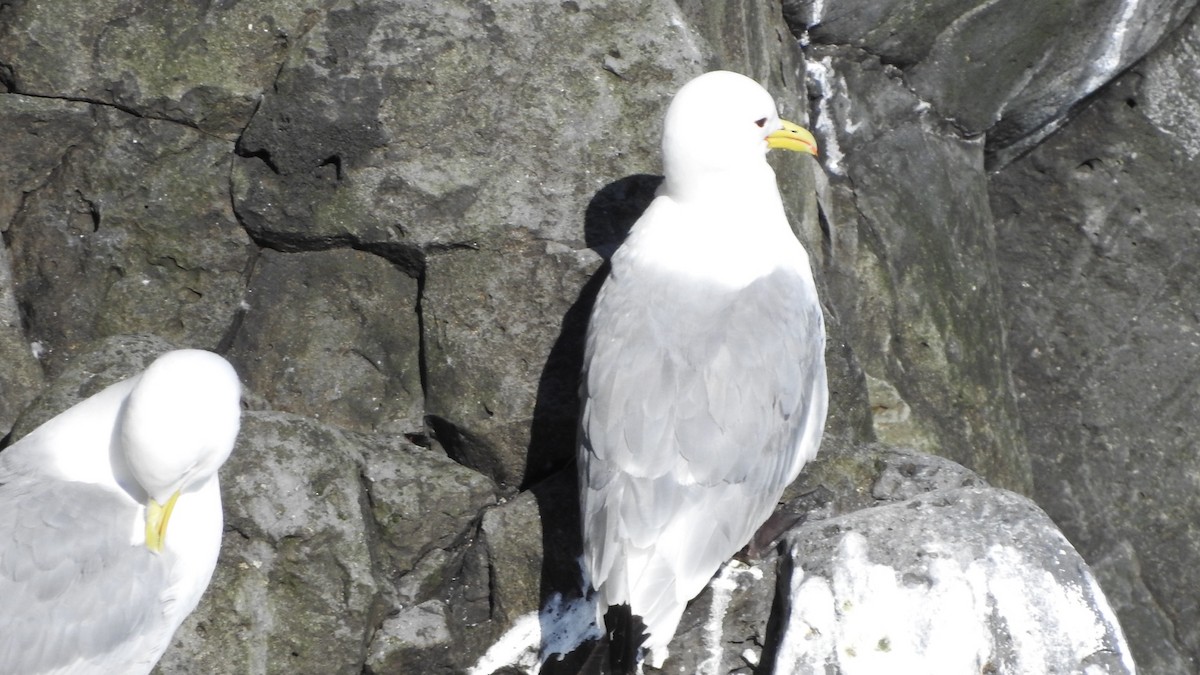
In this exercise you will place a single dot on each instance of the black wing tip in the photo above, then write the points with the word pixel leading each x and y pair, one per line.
pixel 615 653
pixel 626 633
pixel 589 659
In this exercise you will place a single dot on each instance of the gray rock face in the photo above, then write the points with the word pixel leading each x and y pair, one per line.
pixel 890 161
pixel 1006 69
pixel 20 381
pixel 393 219
pixel 1097 229
pixel 333 335
pixel 125 228
pixel 296 574
pixel 203 66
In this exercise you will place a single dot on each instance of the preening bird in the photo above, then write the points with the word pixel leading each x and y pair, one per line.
pixel 110 520
pixel 704 390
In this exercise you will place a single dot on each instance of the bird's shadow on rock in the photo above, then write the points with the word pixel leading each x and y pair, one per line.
pixel 610 215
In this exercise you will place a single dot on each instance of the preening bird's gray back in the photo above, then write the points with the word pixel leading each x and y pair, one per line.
pixel 71 584
pixel 696 400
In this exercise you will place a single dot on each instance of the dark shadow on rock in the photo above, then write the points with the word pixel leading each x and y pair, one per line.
pixel 614 210
pixel 610 215
pixel 781 609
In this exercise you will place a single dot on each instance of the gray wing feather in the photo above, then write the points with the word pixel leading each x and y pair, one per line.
pixel 700 406
pixel 71 584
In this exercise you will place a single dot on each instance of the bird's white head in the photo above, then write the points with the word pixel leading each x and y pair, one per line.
pixel 180 421
pixel 721 124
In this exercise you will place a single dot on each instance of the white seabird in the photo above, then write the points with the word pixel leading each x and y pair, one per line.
pixel 704 389
pixel 91 582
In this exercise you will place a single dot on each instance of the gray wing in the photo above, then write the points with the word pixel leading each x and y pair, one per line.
pixel 71 585
pixel 700 405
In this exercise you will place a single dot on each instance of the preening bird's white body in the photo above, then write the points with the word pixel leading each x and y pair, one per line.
pixel 704 389
pixel 80 591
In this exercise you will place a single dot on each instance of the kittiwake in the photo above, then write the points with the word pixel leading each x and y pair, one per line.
pixel 92 582
pixel 704 388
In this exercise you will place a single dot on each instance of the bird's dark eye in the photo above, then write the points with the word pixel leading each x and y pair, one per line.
pixel 761 122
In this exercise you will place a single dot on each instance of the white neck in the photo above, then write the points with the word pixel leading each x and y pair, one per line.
pixel 729 236
pixel 751 178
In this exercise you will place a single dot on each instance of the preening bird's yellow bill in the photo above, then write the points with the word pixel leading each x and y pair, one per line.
pixel 157 516
pixel 793 137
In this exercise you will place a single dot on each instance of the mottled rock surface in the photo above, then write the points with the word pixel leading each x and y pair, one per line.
pixel 912 271
pixel 1011 70
pixel 1098 230
pixel 333 335
pixel 393 219
pixel 128 229
pixel 982 581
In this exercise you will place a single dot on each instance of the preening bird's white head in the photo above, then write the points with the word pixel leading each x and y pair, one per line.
pixel 721 124
pixel 180 421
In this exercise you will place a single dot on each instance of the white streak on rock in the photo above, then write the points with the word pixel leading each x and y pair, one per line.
pixel 723 586
pixel 517 647
pixel 820 77
pixel 1109 62
pixel 870 619
pixel 560 628
pixel 567 625
pixel 816 13
pixel 1108 617
pixel 1171 92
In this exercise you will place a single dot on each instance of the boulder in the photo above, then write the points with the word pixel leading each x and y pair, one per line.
pixel 953 581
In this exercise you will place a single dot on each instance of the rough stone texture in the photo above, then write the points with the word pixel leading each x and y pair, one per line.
pixel 1098 229
pixel 1006 69
pixel 129 230
pixel 299 585
pixel 19 382
pixel 202 65
pixel 422 504
pixel 486 349
pixel 912 268
pixel 333 335
pixel 296 581
pixel 108 362
pixel 393 218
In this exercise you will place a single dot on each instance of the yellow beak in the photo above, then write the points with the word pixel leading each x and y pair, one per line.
pixel 157 516
pixel 793 137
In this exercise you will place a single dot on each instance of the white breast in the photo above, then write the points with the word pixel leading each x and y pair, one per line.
pixel 723 246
